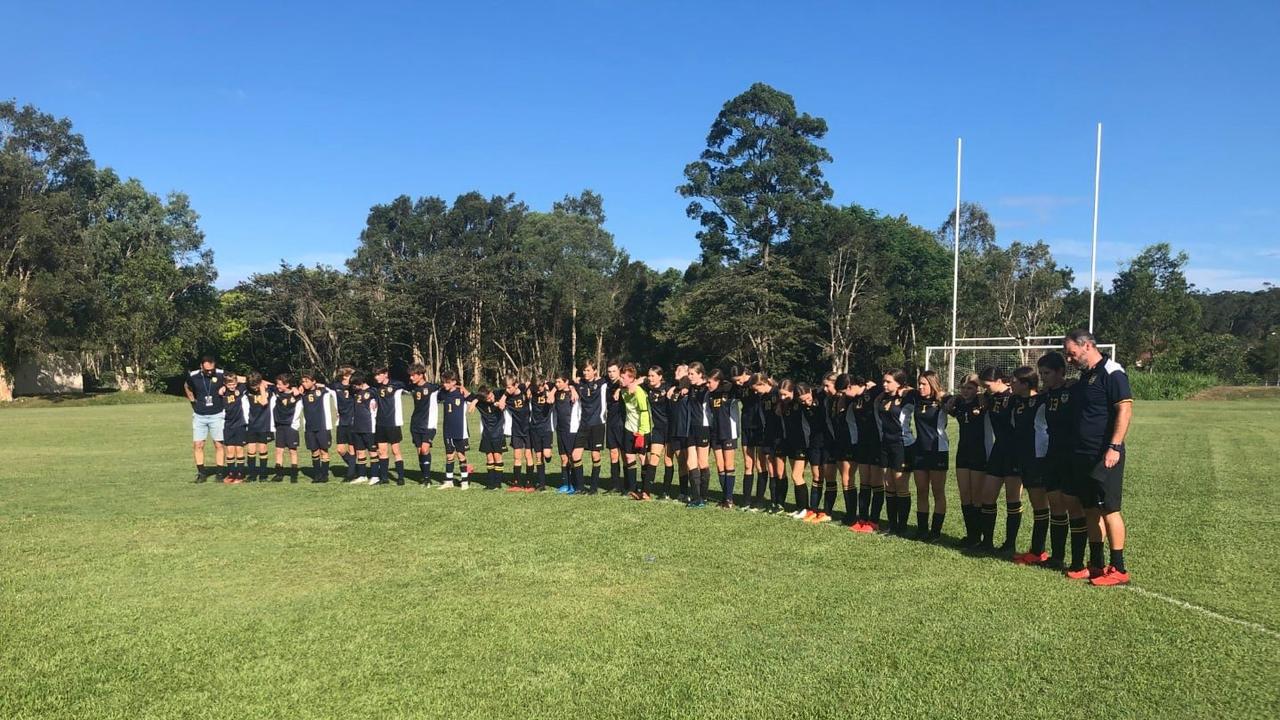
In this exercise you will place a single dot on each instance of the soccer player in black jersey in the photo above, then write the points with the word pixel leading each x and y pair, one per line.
pixel 516 398
pixel 389 432
pixel 1065 512
pixel 678 430
pixel 617 439
pixel 725 422
pixel 424 418
pixel 568 417
pixel 773 444
pixel 895 410
pixel 932 455
pixel 364 417
pixel 235 427
pixel 970 411
pixel 287 415
pixel 342 393
pixel 453 398
pixel 815 452
pixel 591 392
pixel 258 432
pixel 1002 465
pixel 845 439
pixel 751 432
pixel 697 454
pixel 1031 435
pixel 542 398
pixel 867 453
pixel 492 408
pixel 317 413
pixel 795 434
pixel 660 411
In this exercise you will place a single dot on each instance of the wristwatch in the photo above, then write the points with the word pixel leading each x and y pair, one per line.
pixel 1116 447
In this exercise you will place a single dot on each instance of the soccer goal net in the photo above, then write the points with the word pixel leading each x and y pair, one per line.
pixel 953 362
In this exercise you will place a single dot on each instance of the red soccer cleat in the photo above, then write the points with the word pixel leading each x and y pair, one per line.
pixel 1083 574
pixel 1111 576
pixel 864 527
pixel 1031 558
pixel 515 488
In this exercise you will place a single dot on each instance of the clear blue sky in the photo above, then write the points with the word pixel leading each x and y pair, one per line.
pixel 284 122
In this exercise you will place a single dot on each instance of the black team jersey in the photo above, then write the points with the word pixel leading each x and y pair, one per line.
pixel 1000 419
pixel 895 413
pixel 237 404
pixel 659 408
pixel 540 409
pixel 752 416
pixel 931 425
pixel 364 410
pixel 615 408
pixel 1059 421
pixel 259 415
pixel 316 410
pixel 492 419
pixel 286 410
pixel 795 426
pixel 1030 428
pixel 773 432
pixel 568 413
pixel 725 418
pixel 678 422
pixel 971 419
pixel 518 409
pixel 815 419
pixel 696 407
pixel 864 416
pixel 390 410
pixel 591 401
pixel 426 407
pixel 344 394
pixel 455 413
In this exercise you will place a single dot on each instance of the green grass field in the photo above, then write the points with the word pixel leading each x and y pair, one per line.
pixel 130 592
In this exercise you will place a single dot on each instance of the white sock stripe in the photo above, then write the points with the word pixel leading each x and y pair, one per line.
pixel 1206 611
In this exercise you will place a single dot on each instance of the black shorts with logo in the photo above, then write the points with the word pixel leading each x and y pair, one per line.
pixel 1002 462
pixel 897 457
pixel 235 435
pixel 728 444
pixel 540 439
pixel 590 438
pixel 344 434
pixel 1057 473
pixel 817 456
pixel 389 434
pixel 492 444
pixel 700 436
pixel 286 437
pixel 867 451
pixel 456 445
pixel 1097 485
pixel 318 439
pixel 257 437
pixel 363 441
pixel 677 444
pixel 971 458
pixel 520 442
pixel 420 437
pixel 931 460
pixel 566 442
pixel 658 435
pixel 1032 470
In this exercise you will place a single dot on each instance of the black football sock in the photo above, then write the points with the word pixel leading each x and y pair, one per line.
pixel 727 480
pixel 315 469
pixel 695 486
pixel 251 471
pixel 1012 521
pixel 891 503
pixel 904 510
pixel 579 477
pixel 618 477
pixel 448 470
pixel 748 486
pixel 422 466
pixel 400 472
pixel 815 496
pixel 922 522
pixel 1057 537
pixel 936 527
pixel 595 477
pixel 351 467
pixel 684 483
pixel 293 472
pixel 761 480
pixel 877 502
pixel 647 475
pixel 988 518
pixel 1117 559
pixel 628 480
pixel 864 504
pixel 1095 554
pixel 221 471
pixel 966 514
pixel 802 497
pixel 1079 538
pixel 668 472
pixel 1039 529
pixel 850 505
pixel 704 474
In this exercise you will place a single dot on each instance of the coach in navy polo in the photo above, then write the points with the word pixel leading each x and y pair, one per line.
pixel 204 389
pixel 1102 407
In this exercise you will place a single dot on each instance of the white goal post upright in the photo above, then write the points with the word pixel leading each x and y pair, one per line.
pixel 971 354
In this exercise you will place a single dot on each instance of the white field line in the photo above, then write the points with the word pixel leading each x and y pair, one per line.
pixel 1255 627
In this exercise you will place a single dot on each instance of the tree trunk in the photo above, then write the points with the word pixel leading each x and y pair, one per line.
pixel 6 385
pixel 599 348
pixel 474 340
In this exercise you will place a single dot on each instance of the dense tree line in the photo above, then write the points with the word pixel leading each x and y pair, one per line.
pixel 485 285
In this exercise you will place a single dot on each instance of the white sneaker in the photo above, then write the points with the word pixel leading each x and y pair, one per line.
pixel 447 485
pixel 799 514
pixel 376 481
pixel 360 480
pixel 465 485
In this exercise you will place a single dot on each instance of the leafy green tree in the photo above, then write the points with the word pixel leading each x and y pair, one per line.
pixel 1150 310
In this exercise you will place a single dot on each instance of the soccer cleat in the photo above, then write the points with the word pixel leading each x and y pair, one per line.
pixel 821 517
pixel 1109 577
pixel 515 488
pixel 377 481
pixel 362 480
pixel 447 485
pixel 227 480
pixel 696 505
pixel 865 527
pixel 1030 558
pixel 200 477
pixel 465 485
pixel 1084 574
pixel 563 489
